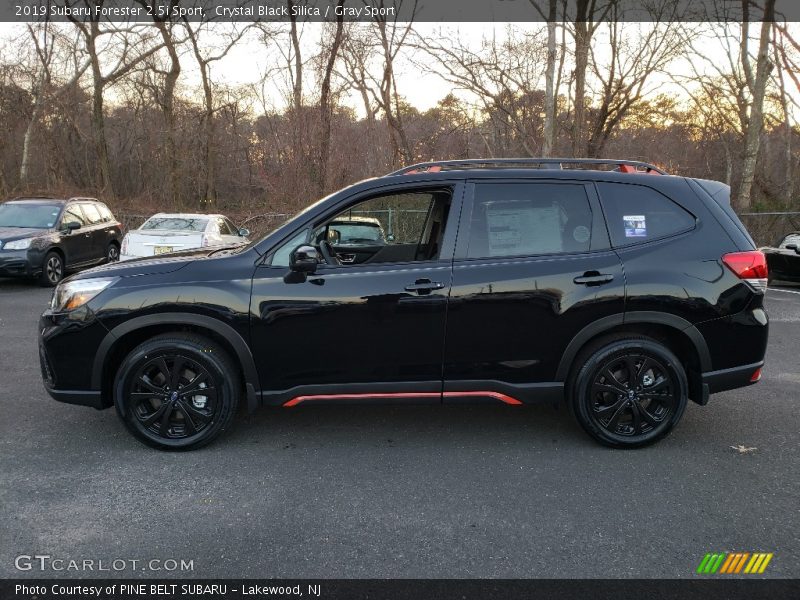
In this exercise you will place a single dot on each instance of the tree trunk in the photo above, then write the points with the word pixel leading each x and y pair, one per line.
pixel 324 104
pixel 550 92
pixel 168 108
pixel 756 120
pixel 98 118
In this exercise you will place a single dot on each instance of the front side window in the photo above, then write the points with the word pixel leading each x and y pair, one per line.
pixel 399 227
pixel 522 219
pixel 637 213
pixel 92 214
pixel 73 214
pixel 281 256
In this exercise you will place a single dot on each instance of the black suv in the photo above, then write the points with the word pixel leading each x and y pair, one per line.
pixel 45 237
pixel 608 284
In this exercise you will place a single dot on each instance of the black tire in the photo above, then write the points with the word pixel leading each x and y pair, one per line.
pixel 155 410
pixel 52 269
pixel 112 252
pixel 628 392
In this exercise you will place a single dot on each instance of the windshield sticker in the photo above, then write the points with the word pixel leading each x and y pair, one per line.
pixel 635 226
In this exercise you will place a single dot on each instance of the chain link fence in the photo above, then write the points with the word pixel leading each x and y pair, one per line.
pixel 768 228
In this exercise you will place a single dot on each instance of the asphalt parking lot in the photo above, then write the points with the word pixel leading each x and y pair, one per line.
pixel 400 492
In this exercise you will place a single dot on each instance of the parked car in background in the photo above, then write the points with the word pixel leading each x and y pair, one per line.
pixel 784 259
pixel 46 237
pixel 164 233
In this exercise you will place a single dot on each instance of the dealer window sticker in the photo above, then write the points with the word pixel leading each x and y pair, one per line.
pixel 635 226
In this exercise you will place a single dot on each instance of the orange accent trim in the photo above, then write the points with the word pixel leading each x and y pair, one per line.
pixel 744 558
pixel 496 395
pixel 727 563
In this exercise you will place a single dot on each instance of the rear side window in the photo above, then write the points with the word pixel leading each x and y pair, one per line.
pixel 519 219
pixel 105 213
pixel 636 213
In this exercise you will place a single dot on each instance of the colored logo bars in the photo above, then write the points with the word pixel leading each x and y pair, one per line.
pixel 734 562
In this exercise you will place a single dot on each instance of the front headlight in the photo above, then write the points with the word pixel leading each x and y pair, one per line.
pixel 23 244
pixel 74 294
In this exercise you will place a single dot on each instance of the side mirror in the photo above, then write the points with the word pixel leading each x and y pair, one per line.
pixel 390 237
pixel 72 226
pixel 334 236
pixel 243 232
pixel 791 247
pixel 304 259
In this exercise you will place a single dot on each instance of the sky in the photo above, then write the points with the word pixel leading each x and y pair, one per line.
pixel 249 59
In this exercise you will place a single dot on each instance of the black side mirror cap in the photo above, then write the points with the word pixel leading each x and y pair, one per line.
pixel 304 259
pixel 791 247
pixel 72 226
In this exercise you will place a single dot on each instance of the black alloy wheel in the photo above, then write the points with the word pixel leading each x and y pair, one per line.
pixel 630 393
pixel 177 392
pixel 52 269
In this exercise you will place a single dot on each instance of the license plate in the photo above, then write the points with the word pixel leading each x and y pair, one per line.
pixel 163 249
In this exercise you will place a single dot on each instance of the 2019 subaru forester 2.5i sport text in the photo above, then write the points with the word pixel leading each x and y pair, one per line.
pixel 607 284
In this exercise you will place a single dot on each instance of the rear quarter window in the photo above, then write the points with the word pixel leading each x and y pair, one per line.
pixel 637 214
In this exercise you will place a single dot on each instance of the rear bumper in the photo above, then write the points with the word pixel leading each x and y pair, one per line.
pixel 729 379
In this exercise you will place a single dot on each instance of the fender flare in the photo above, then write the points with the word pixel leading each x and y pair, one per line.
pixel 240 347
pixel 610 322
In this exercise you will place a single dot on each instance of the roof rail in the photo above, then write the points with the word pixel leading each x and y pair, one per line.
pixel 624 166
pixel 83 198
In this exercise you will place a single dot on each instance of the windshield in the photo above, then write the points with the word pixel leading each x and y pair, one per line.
pixel 357 234
pixel 176 224
pixel 35 216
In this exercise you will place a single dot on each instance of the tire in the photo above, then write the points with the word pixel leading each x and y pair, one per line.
pixel 622 411
pixel 112 253
pixel 164 417
pixel 52 269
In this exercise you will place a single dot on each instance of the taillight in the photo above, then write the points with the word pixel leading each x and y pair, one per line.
pixel 124 249
pixel 756 376
pixel 750 266
pixel 205 240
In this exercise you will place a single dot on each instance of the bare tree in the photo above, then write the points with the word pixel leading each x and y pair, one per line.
pixel 757 85
pixel 131 48
pixel 325 99
pixel 205 58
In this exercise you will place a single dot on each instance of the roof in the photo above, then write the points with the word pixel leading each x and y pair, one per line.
pixel 560 164
pixel 185 216
pixel 37 200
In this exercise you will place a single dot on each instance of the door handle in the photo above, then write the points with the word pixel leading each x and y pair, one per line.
pixel 593 278
pixel 424 286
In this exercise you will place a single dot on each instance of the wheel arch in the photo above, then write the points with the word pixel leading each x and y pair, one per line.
pixel 678 334
pixel 126 336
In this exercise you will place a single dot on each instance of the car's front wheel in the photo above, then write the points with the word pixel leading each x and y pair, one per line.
pixel 628 392
pixel 177 391
pixel 52 269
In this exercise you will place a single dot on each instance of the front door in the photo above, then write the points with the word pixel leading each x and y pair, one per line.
pixel 366 330
pixel 533 268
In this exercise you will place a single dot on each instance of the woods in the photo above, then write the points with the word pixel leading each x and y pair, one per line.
pixel 149 115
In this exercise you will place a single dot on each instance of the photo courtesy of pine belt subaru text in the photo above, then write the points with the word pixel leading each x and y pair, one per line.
pixel 608 285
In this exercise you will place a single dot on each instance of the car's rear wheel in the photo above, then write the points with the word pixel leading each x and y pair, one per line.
pixel 112 253
pixel 628 392
pixel 52 269
pixel 177 392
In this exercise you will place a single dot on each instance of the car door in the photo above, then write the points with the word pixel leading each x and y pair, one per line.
pixel 360 332
pixel 76 244
pixel 96 230
pixel 533 267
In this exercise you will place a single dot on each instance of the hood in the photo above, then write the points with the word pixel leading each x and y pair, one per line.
pixel 8 234
pixel 148 265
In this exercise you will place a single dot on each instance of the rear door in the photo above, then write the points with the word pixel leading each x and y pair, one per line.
pixel 533 267
pixel 97 230
pixel 364 331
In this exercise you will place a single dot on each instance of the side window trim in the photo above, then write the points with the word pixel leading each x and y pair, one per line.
pixel 462 248
pixel 635 242
pixel 447 251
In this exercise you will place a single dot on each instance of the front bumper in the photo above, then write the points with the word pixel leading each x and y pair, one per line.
pixel 67 343
pixel 19 263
